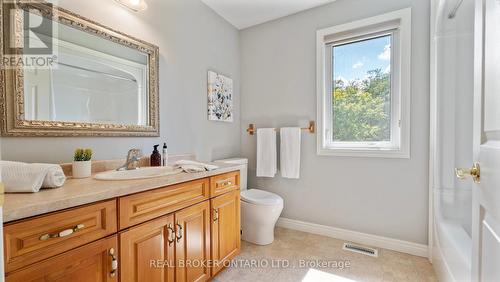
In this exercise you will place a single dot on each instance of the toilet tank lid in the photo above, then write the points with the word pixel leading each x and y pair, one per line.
pixel 233 161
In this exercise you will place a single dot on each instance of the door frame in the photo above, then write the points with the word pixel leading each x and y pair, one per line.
pixel 432 127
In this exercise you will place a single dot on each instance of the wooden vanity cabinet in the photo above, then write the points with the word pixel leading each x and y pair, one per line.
pixel 184 232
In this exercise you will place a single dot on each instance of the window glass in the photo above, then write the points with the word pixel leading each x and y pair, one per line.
pixel 361 90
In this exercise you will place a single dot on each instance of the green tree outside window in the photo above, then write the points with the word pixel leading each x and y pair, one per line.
pixel 362 108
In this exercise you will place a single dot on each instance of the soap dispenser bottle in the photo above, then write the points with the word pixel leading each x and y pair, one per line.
pixel 164 156
pixel 155 159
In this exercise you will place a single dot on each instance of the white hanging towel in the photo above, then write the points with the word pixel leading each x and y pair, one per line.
pixel 290 152
pixel 30 178
pixel 266 152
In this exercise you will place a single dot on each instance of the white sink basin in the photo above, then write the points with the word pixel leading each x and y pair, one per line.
pixel 141 173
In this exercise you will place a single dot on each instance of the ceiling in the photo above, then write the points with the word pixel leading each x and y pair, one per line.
pixel 247 13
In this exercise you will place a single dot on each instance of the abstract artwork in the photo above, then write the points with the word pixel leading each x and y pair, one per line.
pixel 220 97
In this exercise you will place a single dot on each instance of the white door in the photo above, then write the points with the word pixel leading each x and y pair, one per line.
pixel 486 197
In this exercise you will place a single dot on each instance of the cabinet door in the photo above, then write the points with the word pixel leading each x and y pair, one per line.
pixel 94 262
pixel 193 243
pixel 147 251
pixel 225 229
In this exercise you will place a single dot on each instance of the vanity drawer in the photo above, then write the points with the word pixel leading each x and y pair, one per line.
pixel 221 184
pixel 141 207
pixel 92 262
pixel 32 240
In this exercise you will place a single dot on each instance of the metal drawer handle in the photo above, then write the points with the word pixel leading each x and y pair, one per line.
pixel 179 232
pixel 114 262
pixel 227 183
pixel 216 215
pixel 64 233
pixel 171 234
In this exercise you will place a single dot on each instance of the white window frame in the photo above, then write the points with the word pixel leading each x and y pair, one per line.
pixel 398 25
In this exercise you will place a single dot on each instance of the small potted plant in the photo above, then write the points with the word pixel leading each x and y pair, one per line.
pixel 82 165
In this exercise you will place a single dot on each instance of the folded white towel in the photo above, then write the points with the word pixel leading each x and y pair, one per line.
pixel 266 152
pixel 30 178
pixel 290 152
pixel 192 166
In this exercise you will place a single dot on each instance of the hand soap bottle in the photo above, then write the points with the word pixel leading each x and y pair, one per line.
pixel 155 159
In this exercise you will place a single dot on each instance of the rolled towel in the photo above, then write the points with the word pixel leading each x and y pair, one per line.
pixel 193 167
pixel 30 178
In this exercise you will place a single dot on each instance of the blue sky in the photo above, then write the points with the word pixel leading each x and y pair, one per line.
pixel 352 61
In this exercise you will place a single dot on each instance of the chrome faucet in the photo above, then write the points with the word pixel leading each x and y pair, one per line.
pixel 133 157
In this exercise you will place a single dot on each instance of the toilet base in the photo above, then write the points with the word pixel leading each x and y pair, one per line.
pixel 259 235
pixel 258 221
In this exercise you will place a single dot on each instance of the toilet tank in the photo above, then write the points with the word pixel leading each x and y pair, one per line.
pixel 243 170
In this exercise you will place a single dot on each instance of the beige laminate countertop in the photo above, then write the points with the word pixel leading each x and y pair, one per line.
pixel 76 192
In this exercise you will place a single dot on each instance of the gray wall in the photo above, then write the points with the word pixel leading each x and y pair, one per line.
pixel 386 197
pixel 192 39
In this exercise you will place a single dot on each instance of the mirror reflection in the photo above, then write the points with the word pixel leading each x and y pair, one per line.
pixel 94 80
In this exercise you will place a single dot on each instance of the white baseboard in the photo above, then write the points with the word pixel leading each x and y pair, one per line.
pixel 356 237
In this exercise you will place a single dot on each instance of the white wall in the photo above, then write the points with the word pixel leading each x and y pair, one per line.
pixel 386 197
pixel 192 39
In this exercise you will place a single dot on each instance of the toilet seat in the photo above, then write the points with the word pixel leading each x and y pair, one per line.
pixel 260 197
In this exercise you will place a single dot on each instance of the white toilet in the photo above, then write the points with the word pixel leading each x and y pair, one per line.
pixel 259 209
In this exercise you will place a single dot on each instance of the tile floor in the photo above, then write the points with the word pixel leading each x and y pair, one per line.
pixel 298 248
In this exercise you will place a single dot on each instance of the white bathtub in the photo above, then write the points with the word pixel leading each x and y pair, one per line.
pixel 452 53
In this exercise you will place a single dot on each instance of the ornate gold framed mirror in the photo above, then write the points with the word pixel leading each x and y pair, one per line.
pixel 65 75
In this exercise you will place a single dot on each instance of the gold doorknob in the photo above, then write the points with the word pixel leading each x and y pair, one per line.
pixel 475 172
